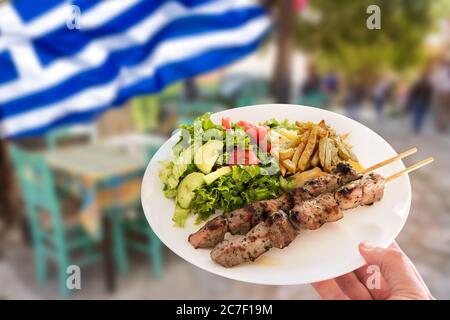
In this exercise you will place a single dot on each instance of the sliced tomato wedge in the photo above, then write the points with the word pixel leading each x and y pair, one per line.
pixel 243 157
pixel 245 124
pixel 257 133
pixel 251 157
pixel 263 133
pixel 226 123
pixel 250 129
pixel 252 133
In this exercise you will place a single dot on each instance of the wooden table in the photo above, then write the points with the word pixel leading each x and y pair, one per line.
pixel 98 164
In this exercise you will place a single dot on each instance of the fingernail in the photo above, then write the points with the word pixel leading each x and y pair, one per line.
pixel 366 245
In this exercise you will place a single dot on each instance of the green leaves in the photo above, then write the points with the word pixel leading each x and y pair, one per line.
pixel 274 123
pixel 244 185
pixel 245 173
pixel 342 42
pixel 169 178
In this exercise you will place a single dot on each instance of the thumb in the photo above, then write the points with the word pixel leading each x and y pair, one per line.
pixel 394 267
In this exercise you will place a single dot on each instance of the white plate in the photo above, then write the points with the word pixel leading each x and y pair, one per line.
pixel 314 255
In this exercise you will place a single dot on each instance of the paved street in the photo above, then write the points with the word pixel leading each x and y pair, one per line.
pixel 425 238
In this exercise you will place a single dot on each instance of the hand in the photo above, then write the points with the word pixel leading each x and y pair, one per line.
pixel 399 279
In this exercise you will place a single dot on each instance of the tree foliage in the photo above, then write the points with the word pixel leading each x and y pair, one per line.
pixel 342 41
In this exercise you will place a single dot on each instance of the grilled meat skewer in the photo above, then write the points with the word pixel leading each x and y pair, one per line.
pixel 241 220
pixel 328 207
pixel 275 231
pixel 280 229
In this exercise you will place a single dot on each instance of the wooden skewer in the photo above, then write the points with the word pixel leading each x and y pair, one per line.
pixel 390 160
pixel 410 169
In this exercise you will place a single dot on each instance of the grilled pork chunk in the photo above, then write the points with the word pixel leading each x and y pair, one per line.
pixel 211 233
pixel 279 231
pixel 276 231
pixel 327 207
pixel 241 220
pixel 362 192
pixel 312 214
pixel 373 189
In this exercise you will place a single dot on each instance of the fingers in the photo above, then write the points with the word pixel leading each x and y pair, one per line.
pixel 388 274
pixel 378 290
pixel 394 267
pixel 329 290
pixel 394 245
pixel 352 287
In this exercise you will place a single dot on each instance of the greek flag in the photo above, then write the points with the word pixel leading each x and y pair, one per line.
pixel 65 62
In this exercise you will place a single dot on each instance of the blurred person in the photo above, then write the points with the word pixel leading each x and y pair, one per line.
pixel 312 84
pixel 419 101
pixel 401 95
pixel 312 91
pixel 330 84
pixel 330 87
pixel 440 81
pixel 380 95
pixel 399 279
pixel 353 99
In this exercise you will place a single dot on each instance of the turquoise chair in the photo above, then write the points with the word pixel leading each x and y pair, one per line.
pixel 123 230
pixel 55 136
pixel 54 237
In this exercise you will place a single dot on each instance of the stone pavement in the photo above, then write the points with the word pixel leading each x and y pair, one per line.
pixel 425 238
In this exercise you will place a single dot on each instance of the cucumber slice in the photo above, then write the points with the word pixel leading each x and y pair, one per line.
pixel 187 155
pixel 185 191
pixel 210 178
pixel 207 155
pixel 180 216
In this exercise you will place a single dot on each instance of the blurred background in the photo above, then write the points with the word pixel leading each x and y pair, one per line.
pixel 70 193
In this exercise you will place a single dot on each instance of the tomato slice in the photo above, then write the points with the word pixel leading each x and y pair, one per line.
pixel 257 133
pixel 263 133
pixel 251 157
pixel 250 129
pixel 243 157
pixel 244 124
pixel 226 123
pixel 253 133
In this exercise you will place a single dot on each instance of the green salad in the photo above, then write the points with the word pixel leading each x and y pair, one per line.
pixel 220 167
pixel 225 166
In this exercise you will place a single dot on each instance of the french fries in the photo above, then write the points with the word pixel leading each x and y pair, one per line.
pixel 282 170
pixel 328 155
pixel 312 148
pixel 289 165
pixel 301 177
pixel 356 165
pixel 298 152
pixel 309 149
pixel 291 135
pixel 315 160
pixel 322 151
pixel 287 153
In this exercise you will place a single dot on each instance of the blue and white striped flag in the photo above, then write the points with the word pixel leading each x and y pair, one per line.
pixel 64 62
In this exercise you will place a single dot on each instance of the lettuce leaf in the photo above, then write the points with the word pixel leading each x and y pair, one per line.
pixel 171 172
pixel 274 123
pixel 244 185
